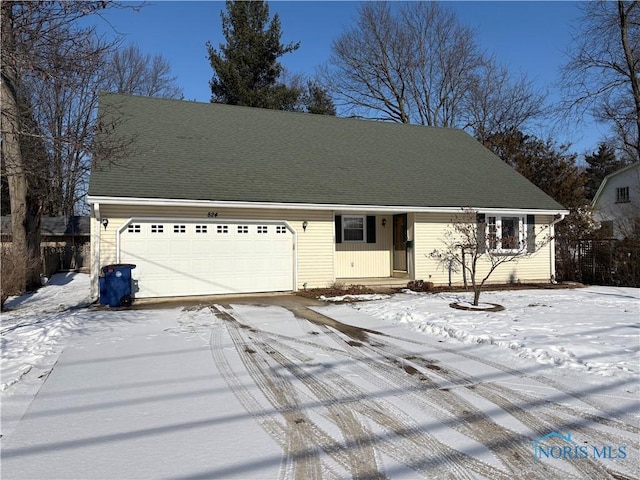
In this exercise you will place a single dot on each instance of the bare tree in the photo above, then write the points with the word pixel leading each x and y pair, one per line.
pixel 477 245
pixel 603 75
pixel 66 108
pixel 131 71
pixel 371 66
pixel 45 58
pixel 415 63
pixel 496 102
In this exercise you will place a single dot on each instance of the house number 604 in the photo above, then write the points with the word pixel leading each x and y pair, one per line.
pixel 212 214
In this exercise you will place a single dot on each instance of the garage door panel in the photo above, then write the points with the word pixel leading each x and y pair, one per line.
pixel 182 258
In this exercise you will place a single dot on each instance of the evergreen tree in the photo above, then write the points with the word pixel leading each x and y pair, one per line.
pixel 555 172
pixel 600 164
pixel 246 69
pixel 318 101
pixel 545 165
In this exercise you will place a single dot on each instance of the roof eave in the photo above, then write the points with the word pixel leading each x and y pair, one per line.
pixel 171 202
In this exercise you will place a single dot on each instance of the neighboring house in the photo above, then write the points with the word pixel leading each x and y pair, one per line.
pixel 64 241
pixel 214 199
pixel 55 231
pixel 616 205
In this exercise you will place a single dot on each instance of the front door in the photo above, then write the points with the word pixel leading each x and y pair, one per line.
pixel 400 242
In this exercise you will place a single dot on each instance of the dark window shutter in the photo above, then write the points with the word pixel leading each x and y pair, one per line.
pixel 371 229
pixel 481 220
pixel 531 233
pixel 338 228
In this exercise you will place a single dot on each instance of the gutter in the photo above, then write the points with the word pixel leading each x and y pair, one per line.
pixel 171 202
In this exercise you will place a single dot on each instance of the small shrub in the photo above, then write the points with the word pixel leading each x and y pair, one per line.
pixel 336 290
pixel 420 286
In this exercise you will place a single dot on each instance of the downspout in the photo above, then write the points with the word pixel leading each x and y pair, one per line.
pixel 553 245
pixel 95 252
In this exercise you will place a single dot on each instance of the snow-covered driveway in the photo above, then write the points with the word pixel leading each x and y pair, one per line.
pixel 281 391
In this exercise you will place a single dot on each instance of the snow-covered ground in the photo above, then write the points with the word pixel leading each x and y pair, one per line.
pixel 586 333
pixel 586 341
pixel 35 326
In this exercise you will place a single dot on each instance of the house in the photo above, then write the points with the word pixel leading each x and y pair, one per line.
pixel 616 205
pixel 55 231
pixel 212 199
pixel 64 242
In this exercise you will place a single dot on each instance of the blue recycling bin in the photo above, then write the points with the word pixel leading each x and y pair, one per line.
pixel 116 285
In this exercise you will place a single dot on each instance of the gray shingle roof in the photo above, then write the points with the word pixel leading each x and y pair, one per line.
pixel 201 151
pixel 55 226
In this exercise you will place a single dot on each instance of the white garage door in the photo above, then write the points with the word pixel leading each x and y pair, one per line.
pixel 177 258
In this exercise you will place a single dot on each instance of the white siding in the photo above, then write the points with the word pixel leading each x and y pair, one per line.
pixel 430 230
pixel 622 215
pixel 361 260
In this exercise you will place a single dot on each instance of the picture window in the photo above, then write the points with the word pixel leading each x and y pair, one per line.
pixel 505 234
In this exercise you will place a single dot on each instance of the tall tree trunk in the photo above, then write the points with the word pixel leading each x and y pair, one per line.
pixel 16 172
pixel 623 16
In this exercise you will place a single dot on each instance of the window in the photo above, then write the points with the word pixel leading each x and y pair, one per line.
pixel 493 233
pixel 201 229
pixel 281 229
pixel 510 234
pixel 262 229
pixel 243 229
pixel 133 228
pixel 505 234
pixel 353 229
pixel 622 195
pixel 179 229
pixel 157 228
pixel 222 229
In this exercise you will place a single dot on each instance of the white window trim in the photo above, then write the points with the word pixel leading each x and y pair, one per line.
pixel 364 228
pixel 522 238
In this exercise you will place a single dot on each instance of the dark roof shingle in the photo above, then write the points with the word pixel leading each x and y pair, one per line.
pixel 55 226
pixel 199 151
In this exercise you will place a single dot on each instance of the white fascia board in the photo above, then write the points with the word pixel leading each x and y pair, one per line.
pixel 170 202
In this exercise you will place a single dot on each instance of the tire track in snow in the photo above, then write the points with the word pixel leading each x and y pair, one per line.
pixel 453 411
pixel 413 443
pixel 297 446
pixel 457 463
pixel 272 426
pixel 518 459
pixel 541 422
pixel 614 423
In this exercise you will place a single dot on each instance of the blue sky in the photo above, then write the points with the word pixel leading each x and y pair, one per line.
pixel 528 37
